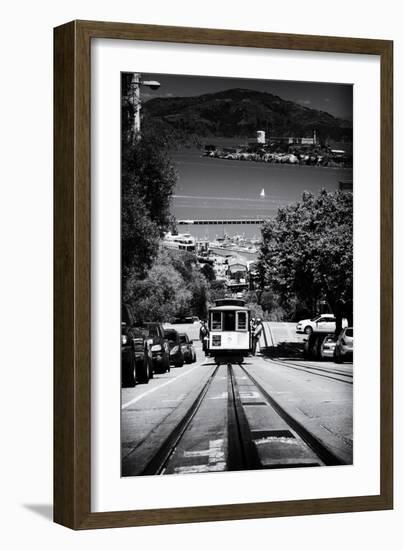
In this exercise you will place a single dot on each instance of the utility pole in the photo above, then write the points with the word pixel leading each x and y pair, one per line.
pixel 136 83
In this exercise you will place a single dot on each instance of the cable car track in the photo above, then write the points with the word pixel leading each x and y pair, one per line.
pixel 324 454
pixel 312 370
pixel 245 443
pixel 158 463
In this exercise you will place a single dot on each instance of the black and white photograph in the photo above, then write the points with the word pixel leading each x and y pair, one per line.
pixel 236 274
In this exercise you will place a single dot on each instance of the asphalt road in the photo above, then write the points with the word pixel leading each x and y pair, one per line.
pixel 269 413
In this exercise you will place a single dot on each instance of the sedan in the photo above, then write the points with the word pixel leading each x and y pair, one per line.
pixel 343 350
pixel 327 347
pixel 158 346
pixel 188 350
pixel 175 351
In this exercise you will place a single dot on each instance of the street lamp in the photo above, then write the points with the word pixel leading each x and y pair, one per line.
pixel 137 82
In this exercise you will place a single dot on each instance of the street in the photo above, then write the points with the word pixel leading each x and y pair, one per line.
pixel 269 412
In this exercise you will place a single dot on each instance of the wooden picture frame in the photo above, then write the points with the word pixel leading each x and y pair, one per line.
pixel 72 270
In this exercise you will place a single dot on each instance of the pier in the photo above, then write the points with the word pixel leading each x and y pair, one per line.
pixel 220 222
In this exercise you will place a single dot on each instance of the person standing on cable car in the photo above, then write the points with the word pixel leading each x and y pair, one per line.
pixel 203 334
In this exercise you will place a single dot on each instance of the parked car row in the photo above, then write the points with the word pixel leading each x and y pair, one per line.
pixel 322 346
pixel 149 348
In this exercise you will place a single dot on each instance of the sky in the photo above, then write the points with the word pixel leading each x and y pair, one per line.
pixel 336 99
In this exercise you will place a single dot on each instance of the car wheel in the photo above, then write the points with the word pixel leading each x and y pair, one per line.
pixel 308 330
pixel 337 358
pixel 143 374
pixel 129 378
pixel 151 368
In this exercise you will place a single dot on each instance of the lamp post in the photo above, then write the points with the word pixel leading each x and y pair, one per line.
pixel 136 83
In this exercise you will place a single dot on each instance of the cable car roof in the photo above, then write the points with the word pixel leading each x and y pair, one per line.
pixel 229 302
pixel 229 308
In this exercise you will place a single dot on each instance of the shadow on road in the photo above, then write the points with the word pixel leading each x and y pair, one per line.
pixel 285 349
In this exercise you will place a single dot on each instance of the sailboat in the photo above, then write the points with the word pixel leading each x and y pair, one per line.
pixel 262 194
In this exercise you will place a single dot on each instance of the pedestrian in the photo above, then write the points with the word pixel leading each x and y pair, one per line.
pixel 256 335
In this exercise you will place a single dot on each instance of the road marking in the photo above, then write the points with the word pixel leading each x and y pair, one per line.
pixel 174 400
pixel 249 395
pixel 200 469
pixel 215 451
pixel 216 459
pixel 152 390
pixel 224 395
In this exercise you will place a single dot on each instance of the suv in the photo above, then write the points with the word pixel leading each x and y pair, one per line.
pixel 135 339
pixel 128 359
pixel 159 347
pixel 143 354
pixel 175 351
pixel 320 323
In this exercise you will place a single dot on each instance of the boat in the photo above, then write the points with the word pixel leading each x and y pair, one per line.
pixel 262 194
pixel 181 241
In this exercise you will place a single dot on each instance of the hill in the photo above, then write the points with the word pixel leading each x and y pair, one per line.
pixel 240 112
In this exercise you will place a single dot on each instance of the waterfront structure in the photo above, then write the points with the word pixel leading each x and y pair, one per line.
pixel 182 241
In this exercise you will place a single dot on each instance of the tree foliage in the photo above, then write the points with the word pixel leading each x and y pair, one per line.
pixel 218 290
pixel 307 251
pixel 173 287
pixel 161 294
pixel 208 272
pixel 148 180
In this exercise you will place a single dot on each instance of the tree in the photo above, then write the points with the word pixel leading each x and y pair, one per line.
pixel 218 290
pixel 161 295
pixel 208 272
pixel 188 267
pixel 148 180
pixel 307 252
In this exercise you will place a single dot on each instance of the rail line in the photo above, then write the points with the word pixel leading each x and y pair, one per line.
pixel 260 432
pixel 320 450
pixel 318 371
pixel 157 465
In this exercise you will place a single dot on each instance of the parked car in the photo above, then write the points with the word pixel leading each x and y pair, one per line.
pixel 320 323
pixel 327 347
pixel 175 351
pixel 343 350
pixel 142 350
pixel 159 347
pixel 188 350
pixel 139 345
pixel 185 320
pixel 128 359
pixel 316 346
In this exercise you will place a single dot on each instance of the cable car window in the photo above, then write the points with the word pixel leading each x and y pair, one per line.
pixel 216 320
pixel 229 321
pixel 241 320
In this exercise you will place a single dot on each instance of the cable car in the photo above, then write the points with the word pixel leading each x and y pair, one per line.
pixel 229 338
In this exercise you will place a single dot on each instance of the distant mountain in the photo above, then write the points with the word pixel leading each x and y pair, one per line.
pixel 241 112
